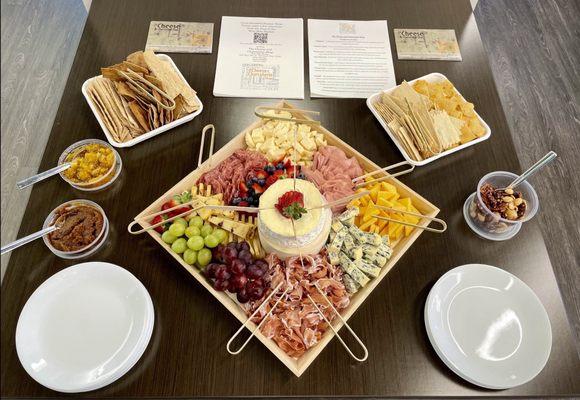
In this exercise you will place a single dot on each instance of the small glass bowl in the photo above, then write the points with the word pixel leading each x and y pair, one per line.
pixel 101 182
pixel 490 225
pixel 85 251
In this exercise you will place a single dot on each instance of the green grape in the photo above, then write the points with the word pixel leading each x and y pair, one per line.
pixel 196 221
pixel 195 243
pixel 192 231
pixel 168 238
pixel 177 229
pixel 179 246
pixel 220 234
pixel 203 257
pixel 181 221
pixel 211 241
pixel 206 230
pixel 190 256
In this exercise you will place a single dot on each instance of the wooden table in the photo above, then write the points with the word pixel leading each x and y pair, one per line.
pixel 186 356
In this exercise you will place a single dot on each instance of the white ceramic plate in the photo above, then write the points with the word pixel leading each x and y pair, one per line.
pixel 149 134
pixel 488 326
pixel 84 327
pixel 433 77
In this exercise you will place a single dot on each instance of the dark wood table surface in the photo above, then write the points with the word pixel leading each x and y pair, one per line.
pixel 187 356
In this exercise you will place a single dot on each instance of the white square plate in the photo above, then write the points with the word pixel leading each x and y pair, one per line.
pixel 149 134
pixel 433 77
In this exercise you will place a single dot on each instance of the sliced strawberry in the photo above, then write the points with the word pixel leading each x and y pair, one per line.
pixel 279 173
pixel 170 204
pixel 178 211
pixel 288 164
pixel 243 187
pixel 244 204
pixel 270 180
pixel 261 174
pixel 257 188
pixel 157 219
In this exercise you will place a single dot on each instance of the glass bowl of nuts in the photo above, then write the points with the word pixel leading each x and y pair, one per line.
pixel 496 212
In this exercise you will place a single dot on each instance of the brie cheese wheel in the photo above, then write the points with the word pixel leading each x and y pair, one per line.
pixel 287 237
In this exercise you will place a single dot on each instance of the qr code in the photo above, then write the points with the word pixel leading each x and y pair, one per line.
pixel 261 38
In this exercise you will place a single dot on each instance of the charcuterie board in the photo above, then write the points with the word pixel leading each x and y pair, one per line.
pixel 399 247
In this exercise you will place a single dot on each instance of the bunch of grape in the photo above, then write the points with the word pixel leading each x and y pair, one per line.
pixel 193 240
pixel 234 269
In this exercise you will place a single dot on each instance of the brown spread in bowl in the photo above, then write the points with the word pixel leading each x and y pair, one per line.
pixel 79 225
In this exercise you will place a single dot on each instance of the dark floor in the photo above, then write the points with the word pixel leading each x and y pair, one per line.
pixel 534 52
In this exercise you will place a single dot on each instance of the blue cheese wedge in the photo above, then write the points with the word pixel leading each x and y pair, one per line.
pixel 336 225
pixel 380 261
pixel 348 242
pixel 370 250
pixel 338 240
pixel 355 252
pixel 350 268
pixel 357 234
pixel 347 217
pixel 373 238
pixel 333 257
pixel 350 284
pixel 369 269
pixel 384 251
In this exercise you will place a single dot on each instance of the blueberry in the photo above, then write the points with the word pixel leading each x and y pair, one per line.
pixel 254 179
pixel 261 182
pixel 255 201
pixel 301 176
pixel 236 201
pixel 269 169
pixel 250 192
pixel 280 165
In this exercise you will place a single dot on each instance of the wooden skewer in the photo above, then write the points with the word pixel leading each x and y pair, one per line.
pixel 387 168
pixel 431 219
pixel 259 113
pixel 337 202
pixel 211 143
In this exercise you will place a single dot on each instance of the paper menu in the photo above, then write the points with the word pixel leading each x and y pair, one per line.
pixel 427 44
pixel 180 37
pixel 350 59
pixel 260 57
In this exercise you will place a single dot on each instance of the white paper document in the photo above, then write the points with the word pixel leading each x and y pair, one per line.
pixel 349 58
pixel 260 57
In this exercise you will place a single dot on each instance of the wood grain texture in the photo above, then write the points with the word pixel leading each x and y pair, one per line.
pixel 39 39
pixel 534 55
pixel 186 356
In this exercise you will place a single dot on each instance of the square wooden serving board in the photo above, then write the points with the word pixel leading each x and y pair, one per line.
pixel 297 366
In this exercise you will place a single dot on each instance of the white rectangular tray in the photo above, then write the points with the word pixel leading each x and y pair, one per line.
pixel 433 77
pixel 149 134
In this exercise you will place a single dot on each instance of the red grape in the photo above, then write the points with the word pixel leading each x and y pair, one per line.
pixel 245 256
pixel 221 285
pixel 239 282
pixel 245 246
pixel 229 254
pixel 217 253
pixel 237 266
pixel 255 292
pixel 262 264
pixel 232 286
pixel 222 273
pixel 242 296
pixel 210 270
pixel 254 272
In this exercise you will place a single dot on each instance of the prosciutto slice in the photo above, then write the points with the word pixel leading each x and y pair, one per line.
pixel 295 324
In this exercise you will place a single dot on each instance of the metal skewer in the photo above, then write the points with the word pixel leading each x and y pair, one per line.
pixel 42 176
pixel 542 162
pixel 343 200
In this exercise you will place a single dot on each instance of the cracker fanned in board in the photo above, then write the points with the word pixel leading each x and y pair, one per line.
pixel 131 96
